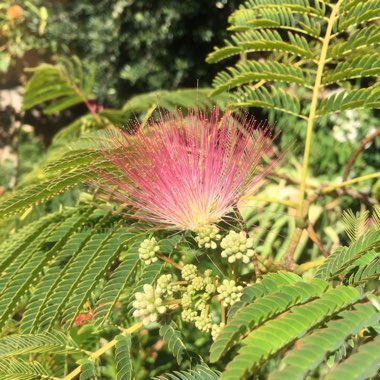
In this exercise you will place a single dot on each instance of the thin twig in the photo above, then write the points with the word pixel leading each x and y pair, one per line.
pixel 314 237
pixel 309 265
pixel 357 151
pixel 256 267
pixel 288 259
pixel 169 261
pixel 95 355
pixel 222 313
pixel 329 189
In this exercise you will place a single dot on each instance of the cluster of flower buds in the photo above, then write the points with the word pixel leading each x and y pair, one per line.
pixel 203 322
pixel 164 283
pixel 189 272
pixel 207 236
pixel 148 250
pixel 216 329
pixel 237 246
pixel 149 304
pixel 229 293
pixel 196 290
pixel 197 296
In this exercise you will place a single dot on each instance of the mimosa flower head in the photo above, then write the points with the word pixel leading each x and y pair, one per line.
pixel 184 173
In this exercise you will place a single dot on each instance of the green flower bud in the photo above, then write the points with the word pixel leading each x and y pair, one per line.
pixel 148 250
pixel 189 272
pixel 186 301
pixel 229 293
pixel 203 322
pixel 163 283
pixel 216 329
pixel 189 315
pixel 207 235
pixel 148 304
pixel 237 246
pixel 198 283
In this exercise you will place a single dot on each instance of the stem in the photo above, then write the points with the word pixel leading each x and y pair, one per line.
pixel 311 264
pixel 170 261
pixel 222 313
pixel 314 103
pixel 256 267
pixel 329 189
pixel 95 355
pixel 270 200
pixel 314 237
pixel 148 115
pixel 288 260
pixel 357 151
pixel 84 98
pixel 173 302
pixel 217 261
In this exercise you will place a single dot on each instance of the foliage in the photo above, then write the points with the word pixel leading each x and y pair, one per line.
pixel 133 43
pixel 66 83
pixel 22 29
pixel 317 58
pixel 313 53
pixel 276 289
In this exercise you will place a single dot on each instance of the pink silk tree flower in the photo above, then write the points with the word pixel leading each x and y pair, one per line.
pixel 184 173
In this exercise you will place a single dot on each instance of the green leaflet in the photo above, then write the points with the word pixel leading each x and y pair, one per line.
pixel 173 338
pixel 31 318
pixel 361 365
pixel 16 244
pixel 345 100
pixel 124 367
pixel 88 369
pixel 34 194
pixel 246 72
pixel 169 100
pixel 56 342
pixel 312 350
pixel 345 256
pixel 66 84
pixel 269 306
pixel 95 271
pixel 365 271
pixel 363 66
pixel 277 99
pixel 293 32
pixel 17 369
pixel 14 283
pixel 274 334
pixel 199 372
pixel 354 13
pixel 119 279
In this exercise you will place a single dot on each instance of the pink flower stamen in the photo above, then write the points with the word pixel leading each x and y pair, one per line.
pixel 183 173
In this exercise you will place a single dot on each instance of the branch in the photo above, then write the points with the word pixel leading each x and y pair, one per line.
pixel 314 103
pixel 269 200
pixel 356 153
pixel 169 261
pixel 329 189
pixel 314 237
pixel 301 269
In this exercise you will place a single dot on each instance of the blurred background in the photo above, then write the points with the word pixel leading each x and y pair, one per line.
pixel 135 46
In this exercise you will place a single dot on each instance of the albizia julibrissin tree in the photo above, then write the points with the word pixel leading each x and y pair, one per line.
pixel 188 174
